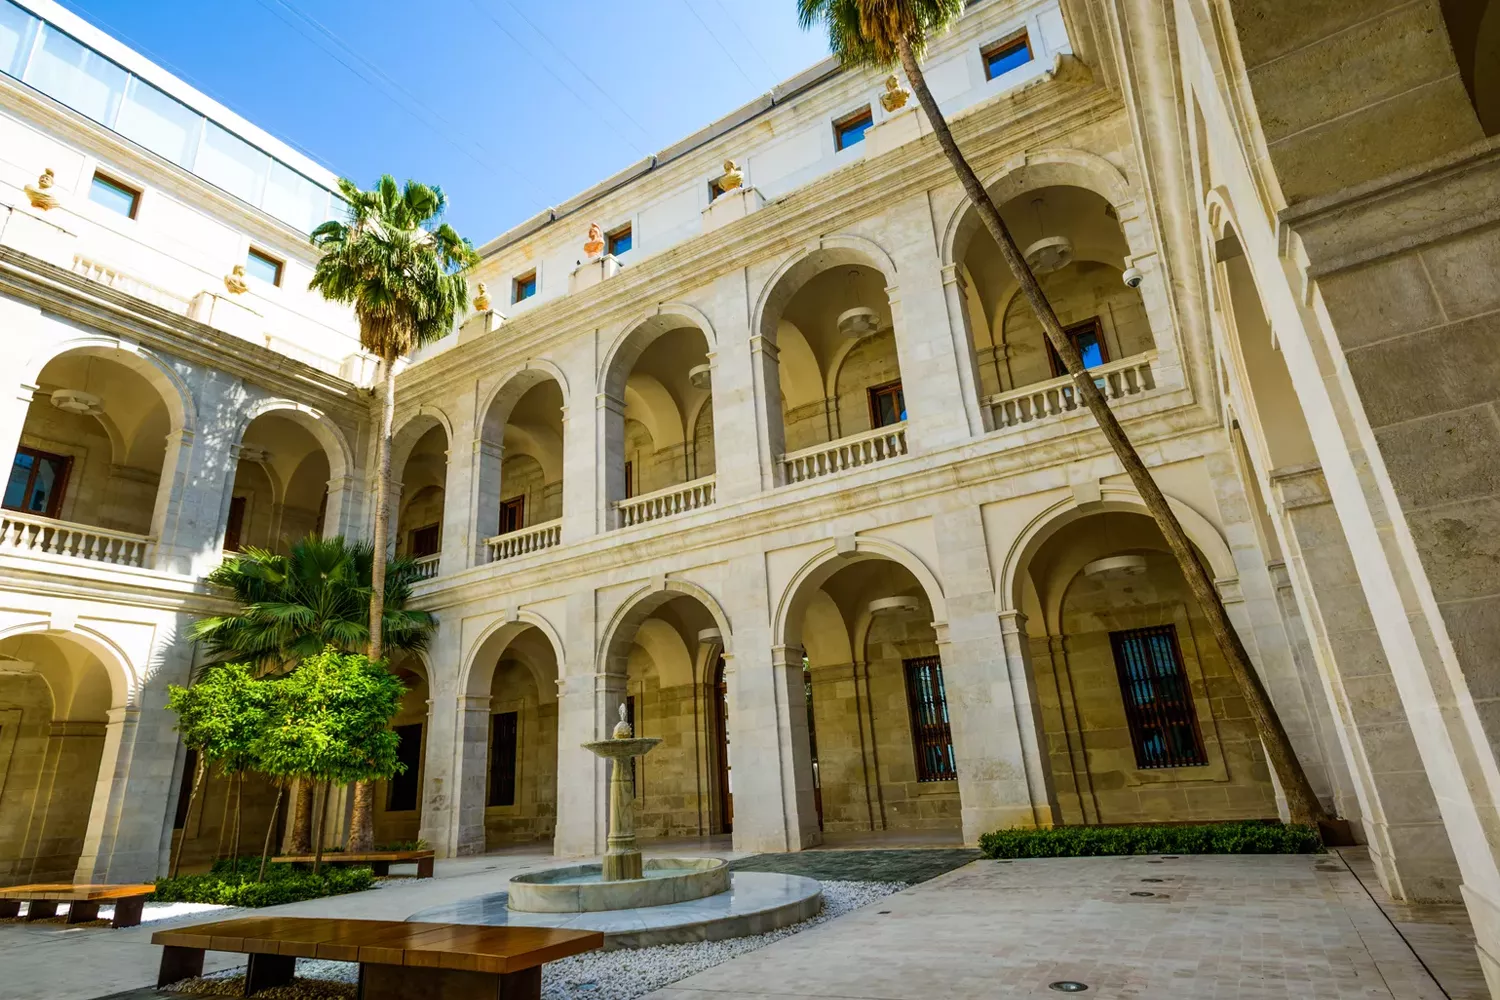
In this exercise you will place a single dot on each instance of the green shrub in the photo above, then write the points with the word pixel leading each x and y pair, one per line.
pixel 1098 841
pixel 283 884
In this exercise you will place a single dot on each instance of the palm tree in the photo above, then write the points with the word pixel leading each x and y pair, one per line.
pixel 404 271
pixel 882 33
pixel 294 606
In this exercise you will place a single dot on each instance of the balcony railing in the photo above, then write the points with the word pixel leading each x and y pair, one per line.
pixel 879 445
pixel 121 281
pixel 1043 400
pixel 27 534
pixel 669 502
pixel 525 541
pixel 427 567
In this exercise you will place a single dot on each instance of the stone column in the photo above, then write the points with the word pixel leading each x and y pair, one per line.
pixel 130 819
pixel 747 395
pixel 980 418
pixel 338 517
pixel 472 754
pixel 586 705
pixel 484 497
pixel 13 419
pixel 609 451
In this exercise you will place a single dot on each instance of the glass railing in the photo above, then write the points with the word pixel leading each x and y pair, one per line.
pixel 45 57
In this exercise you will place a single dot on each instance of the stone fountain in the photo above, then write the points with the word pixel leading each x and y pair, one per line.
pixel 638 902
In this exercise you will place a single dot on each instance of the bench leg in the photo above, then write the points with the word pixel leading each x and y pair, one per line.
pixel 178 964
pixel 10 909
pixel 128 912
pixel 401 982
pixel 41 909
pixel 380 867
pixel 268 970
pixel 424 868
pixel 82 911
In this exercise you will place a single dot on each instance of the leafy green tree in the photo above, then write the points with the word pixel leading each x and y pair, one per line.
pixel 221 716
pixel 404 271
pixel 882 33
pixel 330 723
pixel 293 606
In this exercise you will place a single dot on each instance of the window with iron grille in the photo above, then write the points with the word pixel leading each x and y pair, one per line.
pixel 1158 701
pixel 503 759
pixel 402 790
pixel 931 735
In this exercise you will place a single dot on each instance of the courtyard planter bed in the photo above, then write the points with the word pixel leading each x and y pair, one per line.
pixel 283 884
pixel 1099 841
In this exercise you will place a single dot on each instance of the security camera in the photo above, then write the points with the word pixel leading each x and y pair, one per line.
pixel 1133 277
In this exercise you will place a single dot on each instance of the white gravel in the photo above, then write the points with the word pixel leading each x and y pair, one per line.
pixel 629 973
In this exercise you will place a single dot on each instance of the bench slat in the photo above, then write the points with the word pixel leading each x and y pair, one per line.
pixel 343 857
pixel 65 892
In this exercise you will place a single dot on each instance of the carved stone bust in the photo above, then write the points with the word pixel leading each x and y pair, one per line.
pixel 594 245
pixel 40 194
pixel 235 280
pixel 895 97
pixel 733 176
pixel 482 300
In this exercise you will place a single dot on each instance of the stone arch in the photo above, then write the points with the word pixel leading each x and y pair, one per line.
pixel 507 392
pixel 1039 169
pixel 620 632
pixel 174 391
pixel 813 573
pixel 639 333
pixel 805 264
pixel 335 444
pixel 1200 531
pixel 126 682
pixel 499 635
pixel 412 429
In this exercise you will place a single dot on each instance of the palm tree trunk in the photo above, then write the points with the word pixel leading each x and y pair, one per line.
pixel 265 851
pixel 362 822
pixel 1302 805
pixel 187 816
pixel 302 824
pixel 234 842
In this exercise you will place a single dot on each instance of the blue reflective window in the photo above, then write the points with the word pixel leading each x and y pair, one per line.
pixel 1005 56
pixel 525 287
pixel 263 266
pixel 851 130
pixel 621 240
pixel 114 196
pixel 17 28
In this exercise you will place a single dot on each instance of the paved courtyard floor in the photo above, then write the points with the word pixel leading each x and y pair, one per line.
pixel 1213 927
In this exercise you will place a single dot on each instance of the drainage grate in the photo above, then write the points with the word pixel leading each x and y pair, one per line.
pixel 1153 880
pixel 1143 894
pixel 1067 986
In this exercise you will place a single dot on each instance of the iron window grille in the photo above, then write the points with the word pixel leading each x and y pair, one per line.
pixel 931 733
pixel 1158 701
pixel 402 793
pixel 504 729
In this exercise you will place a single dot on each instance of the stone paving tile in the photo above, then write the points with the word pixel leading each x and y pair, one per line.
pixel 912 866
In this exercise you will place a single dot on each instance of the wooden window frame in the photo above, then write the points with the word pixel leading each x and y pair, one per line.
pixel 611 239
pixel 234 525
pixel 111 180
pixel 873 394
pixel 505 766
pixel 413 774
pixel 865 114
pixel 517 504
pixel 1072 330
pixel 1172 709
pixel 931 735
pixel 1005 45
pixel 437 537
pixel 629 479
pixel 275 262
pixel 54 503
pixel 519 280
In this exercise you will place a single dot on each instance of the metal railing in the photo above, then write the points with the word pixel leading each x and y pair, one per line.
pixel 878 445
pixel 524 541
pixel 669 502
pixel 29 534
pixel 1042 400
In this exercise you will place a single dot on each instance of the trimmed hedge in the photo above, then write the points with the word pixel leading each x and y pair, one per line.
pixel 1098 841
pixel 283 884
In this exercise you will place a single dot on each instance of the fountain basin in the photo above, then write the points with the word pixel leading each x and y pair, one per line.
pixel 581 888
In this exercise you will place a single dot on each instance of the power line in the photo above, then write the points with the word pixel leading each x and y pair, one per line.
pixel 724 48
pixel 747 39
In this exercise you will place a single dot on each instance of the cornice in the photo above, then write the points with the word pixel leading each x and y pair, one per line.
pixel 780 511
pixel 1041 114
pixel 98 583
pixel 100 307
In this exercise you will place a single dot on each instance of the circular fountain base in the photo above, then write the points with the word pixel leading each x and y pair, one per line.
pixel 756 902
pixel 581 888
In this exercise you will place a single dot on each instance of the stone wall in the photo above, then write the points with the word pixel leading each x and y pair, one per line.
pixel 533 817
pixel 98 491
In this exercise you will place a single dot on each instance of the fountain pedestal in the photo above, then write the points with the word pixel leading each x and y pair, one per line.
pixel 622 859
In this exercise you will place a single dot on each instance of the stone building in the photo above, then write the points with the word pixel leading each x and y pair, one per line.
pixel 786 467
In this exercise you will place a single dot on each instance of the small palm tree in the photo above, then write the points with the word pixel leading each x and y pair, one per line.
pixel 883 33
pixel 294 606
pixel 404 271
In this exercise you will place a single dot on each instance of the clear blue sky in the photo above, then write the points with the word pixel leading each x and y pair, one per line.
pixel 466 94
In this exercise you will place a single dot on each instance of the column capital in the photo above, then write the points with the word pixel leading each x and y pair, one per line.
pixel 1012 621
pixel 786 656
pixel 760 344
pixel 604 401
pixel 491 449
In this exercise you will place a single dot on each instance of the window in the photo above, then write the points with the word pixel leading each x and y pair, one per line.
pixel 232 163
pixel 162 124
pixel 36 483
pixel 77 76
pixel 263 266
pixel 523 287
pixel 620 241
pixel 850 130
pixel 887 405
pixel 715 188
pixel 931 735
pixel 185 789
pixel 1005 55
pixel 119 198
pixel 425 541
pixel 503 728
pixel 1088 337
pixel 234 530
pixel 17 28
pixel 1158 703
pixel 629 480
pixel 512 514
pixel 402 793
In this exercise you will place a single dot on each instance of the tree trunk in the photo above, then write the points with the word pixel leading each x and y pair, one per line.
pixel 234 842
pixel 223 819
pixel 362 822
pixel 302 822
pixel 1302 805
pixel 322 819
pixel 187 816
pixel 265 852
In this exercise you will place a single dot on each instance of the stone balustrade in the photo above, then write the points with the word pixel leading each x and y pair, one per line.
pixel 427 567
pixel 878 445
pixel 525 541
pixel 123 281
pixel 28 534
pixel 1130 376
pixel 669 502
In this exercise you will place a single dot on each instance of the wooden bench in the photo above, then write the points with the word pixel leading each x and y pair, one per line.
pixel 398 960
pixel 85 901
pixel 379 861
